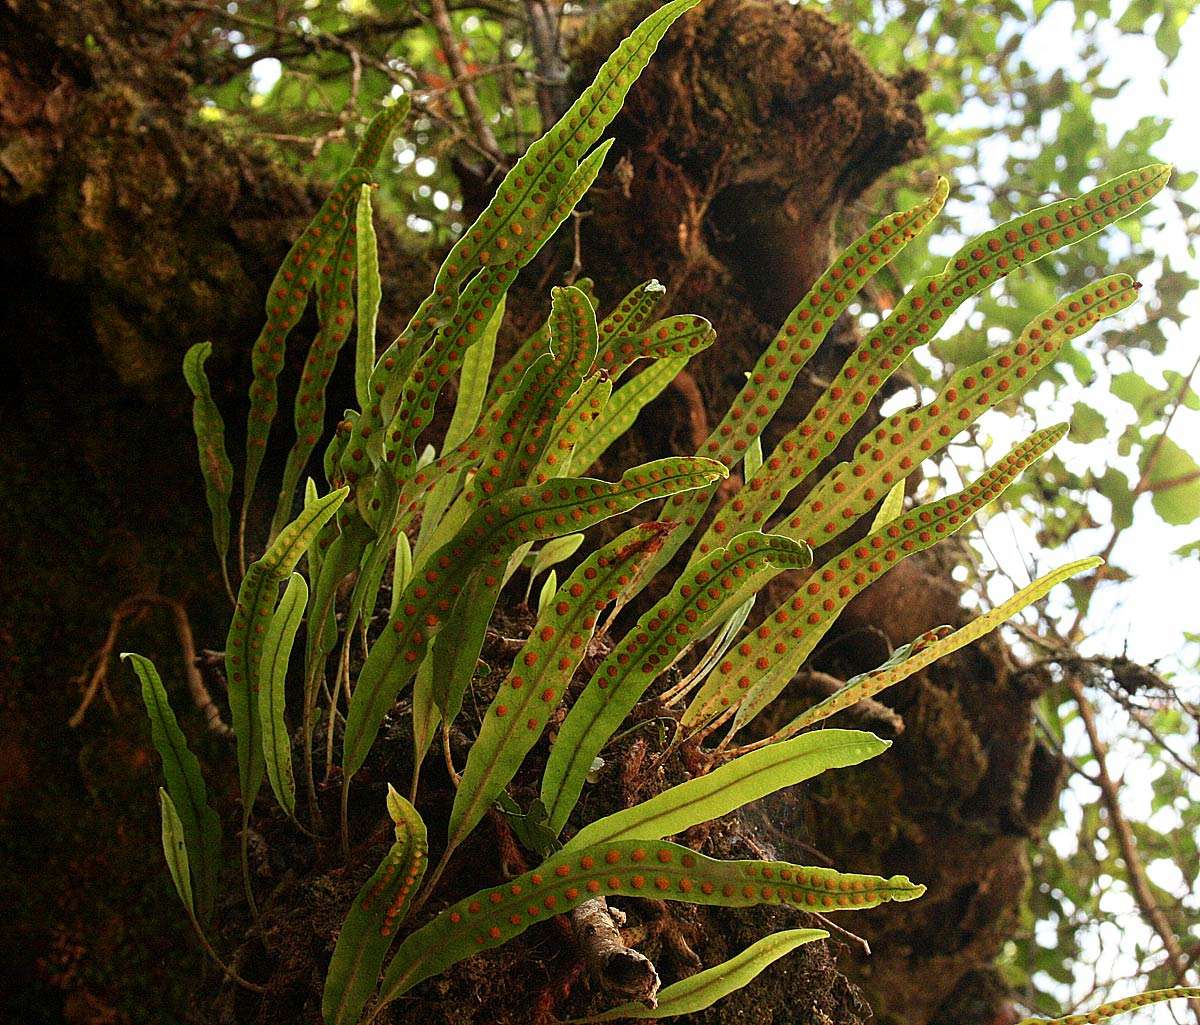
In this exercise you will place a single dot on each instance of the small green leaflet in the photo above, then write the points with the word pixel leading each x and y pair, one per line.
pixel 215 466
pixel 198 823
pixel 736 783
pixel 551 554
pixel 546 595
pixel 702 990
pixel 175 851
pixel 377 912
pixel 891 507
pixel 276 655
pixel 631 868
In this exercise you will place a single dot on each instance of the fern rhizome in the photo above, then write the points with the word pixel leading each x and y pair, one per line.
pixel 504 488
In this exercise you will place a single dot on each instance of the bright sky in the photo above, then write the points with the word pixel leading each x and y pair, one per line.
pixel 1148 615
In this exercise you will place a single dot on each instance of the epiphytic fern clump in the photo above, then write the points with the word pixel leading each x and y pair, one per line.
pixel 507 487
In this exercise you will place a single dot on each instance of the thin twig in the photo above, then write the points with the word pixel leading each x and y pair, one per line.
pixel 1138 881
pixel 132 608
pixel 466 90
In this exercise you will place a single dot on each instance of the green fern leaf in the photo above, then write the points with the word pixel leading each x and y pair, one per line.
pixel 377 912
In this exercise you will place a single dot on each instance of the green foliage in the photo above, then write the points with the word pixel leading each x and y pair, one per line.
pixel 1111 1010
pixel 378 911
pixel 276 656
pixel 705 988
pixel 215 467
pixel 193 824
pixel 630 868
pixel 455 518
pixel 174 844
pixel 244 646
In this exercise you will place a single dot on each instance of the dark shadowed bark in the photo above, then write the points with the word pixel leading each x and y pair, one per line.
pixel 132 230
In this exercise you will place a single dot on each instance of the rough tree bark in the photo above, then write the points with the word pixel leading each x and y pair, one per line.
pixel 133 231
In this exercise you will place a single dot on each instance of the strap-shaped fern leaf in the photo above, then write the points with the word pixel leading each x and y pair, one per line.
pixel 734 784
pixel 623 410
pixel 533 185
pixel 798 338
pixel 380 131
pixel 926 307
pixel 628 316
pixel 199 827
pixel 630 868
pixel 708 593
pixel 1123 1006
pixel 462 327
pixel 215 467
pixel 667 338
pixel 535 686
pixel 573 425
pixel 286 300
pixel 514 453
pixel 175 851
pixel 702 990
pixel 370 294
pixel 763 662
pixel 244 645
pixel 276 656
pixel 377 912
pixel 894 448
pixel 926 649
pixel 493 531
pixel 335 313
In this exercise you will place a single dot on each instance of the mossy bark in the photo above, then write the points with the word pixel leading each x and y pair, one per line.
pixel 134 230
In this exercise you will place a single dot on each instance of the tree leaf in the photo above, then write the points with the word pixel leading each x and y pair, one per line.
pixel 707 593
pixel 702 990
pixel 734 784
pixel 377 912
pixel 199 824
pixel 276 655
pixel 632 868
pixel 1174 481
pixel 215 466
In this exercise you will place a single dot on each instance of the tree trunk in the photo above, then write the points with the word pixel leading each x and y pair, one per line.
pixel 134 230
